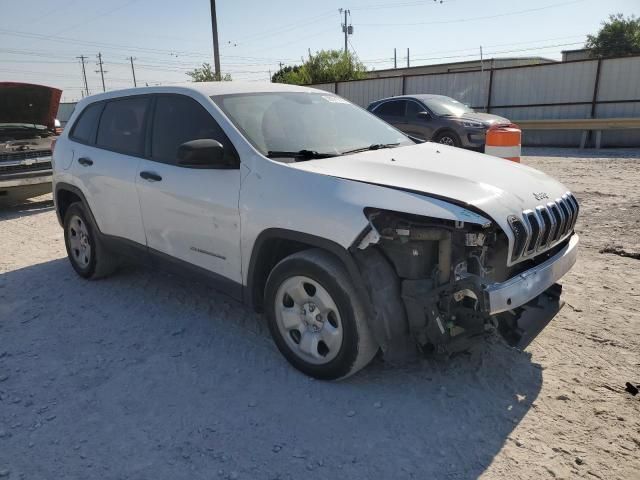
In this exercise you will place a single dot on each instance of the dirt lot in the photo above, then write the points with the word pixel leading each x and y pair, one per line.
pixel 148 376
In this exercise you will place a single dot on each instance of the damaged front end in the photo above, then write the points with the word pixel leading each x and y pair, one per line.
pixel 432 282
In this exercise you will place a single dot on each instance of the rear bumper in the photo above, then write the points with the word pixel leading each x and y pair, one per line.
pixel 526 286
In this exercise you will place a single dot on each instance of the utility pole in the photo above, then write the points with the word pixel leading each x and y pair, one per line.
pixel 216 51
pixel 84 74
pixel 101 71
pixel 395 59
pixel 407 57
pixel 481 63
pixel 346 29
pixel 133 72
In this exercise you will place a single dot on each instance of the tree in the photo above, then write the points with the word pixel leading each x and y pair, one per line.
pixel 288 74
pixel 618 36
pixel 325 66
pixel 206 74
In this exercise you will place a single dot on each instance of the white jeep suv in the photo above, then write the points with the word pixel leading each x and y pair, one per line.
pixel 351 237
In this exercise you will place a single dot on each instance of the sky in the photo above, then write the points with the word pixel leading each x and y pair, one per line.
pixel 40 40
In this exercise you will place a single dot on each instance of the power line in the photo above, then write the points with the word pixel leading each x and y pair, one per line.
pixel 95 17
pixel 472 19
pixel 372 60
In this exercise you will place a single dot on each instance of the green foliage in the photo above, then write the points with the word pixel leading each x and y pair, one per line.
pixel 288 74
pixel 618 36
pixel 206 74
pixel 325 66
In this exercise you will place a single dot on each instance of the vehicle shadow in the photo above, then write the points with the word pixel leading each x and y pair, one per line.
pixel 154 376
pixel 9 210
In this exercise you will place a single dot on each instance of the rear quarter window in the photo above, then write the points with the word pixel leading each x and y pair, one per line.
pixel 84 129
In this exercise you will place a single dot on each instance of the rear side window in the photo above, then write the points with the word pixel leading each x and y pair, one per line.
pixel 122 125
pixel 85 128
pixel 393 108
pixel 178 119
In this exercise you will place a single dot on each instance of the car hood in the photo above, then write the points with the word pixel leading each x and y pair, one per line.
pixel 28 103
pixel 495 186
pixel 485 118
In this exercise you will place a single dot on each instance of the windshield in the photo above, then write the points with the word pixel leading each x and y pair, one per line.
pixel 446 106
pixel 301 121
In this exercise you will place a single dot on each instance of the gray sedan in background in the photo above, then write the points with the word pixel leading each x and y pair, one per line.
pixel 437 118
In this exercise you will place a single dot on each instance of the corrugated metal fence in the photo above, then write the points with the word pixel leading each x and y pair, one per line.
pixel 599 88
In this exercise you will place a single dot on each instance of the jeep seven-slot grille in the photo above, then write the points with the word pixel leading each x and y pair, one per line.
pixel 544 226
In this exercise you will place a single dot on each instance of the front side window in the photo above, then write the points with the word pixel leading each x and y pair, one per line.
pixel 178 119
pixel 446 106
pixel 85 128
pixel 296 121
pixel 121 127
pixel 393 108
pixel 413 109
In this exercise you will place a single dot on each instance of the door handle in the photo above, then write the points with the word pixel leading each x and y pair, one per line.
pixel 85 162
pixel 151 177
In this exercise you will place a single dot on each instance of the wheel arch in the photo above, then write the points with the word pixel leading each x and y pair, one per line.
pixel 445 129
pixel 64 195
pixel 274 244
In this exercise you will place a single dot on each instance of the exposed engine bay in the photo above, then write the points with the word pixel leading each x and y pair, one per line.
pixel 428 280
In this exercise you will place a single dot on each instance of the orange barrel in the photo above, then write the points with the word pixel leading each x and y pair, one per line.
pixel 504 141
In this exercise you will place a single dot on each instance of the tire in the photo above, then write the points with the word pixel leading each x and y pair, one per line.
pixel 88 256
pixel 316 318
pixel 448 138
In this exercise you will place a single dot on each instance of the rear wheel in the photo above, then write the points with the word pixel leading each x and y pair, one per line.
pixel 88 257
pixel 448 138
pixel 316 317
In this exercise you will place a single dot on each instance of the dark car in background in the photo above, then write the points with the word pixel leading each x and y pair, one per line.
pixel 27 131
pixel 437 118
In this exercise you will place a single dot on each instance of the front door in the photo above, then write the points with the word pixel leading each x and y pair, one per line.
pixel 419 121
pixel 189 213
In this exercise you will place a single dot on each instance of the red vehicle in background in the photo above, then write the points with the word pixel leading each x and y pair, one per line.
pixel 28 130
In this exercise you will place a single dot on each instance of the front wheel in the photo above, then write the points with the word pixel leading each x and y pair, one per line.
pixel 448 138
pixel 316 317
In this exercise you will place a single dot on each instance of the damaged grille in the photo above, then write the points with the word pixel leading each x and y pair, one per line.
pixel 544 226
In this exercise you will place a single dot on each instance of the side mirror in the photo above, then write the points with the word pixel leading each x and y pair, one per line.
pixel 203 153
pixel 424 115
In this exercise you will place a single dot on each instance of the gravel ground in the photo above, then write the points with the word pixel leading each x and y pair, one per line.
pixel 148 376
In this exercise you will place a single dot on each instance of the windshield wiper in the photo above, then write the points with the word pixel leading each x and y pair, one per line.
pixel 375 146
pixel 299 155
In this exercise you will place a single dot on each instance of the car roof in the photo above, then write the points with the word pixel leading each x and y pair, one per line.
pixel 205 88
pixel 419 96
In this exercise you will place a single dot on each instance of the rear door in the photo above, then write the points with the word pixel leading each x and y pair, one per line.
pixel 108 142
pixel 393 112
pixel 189 213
